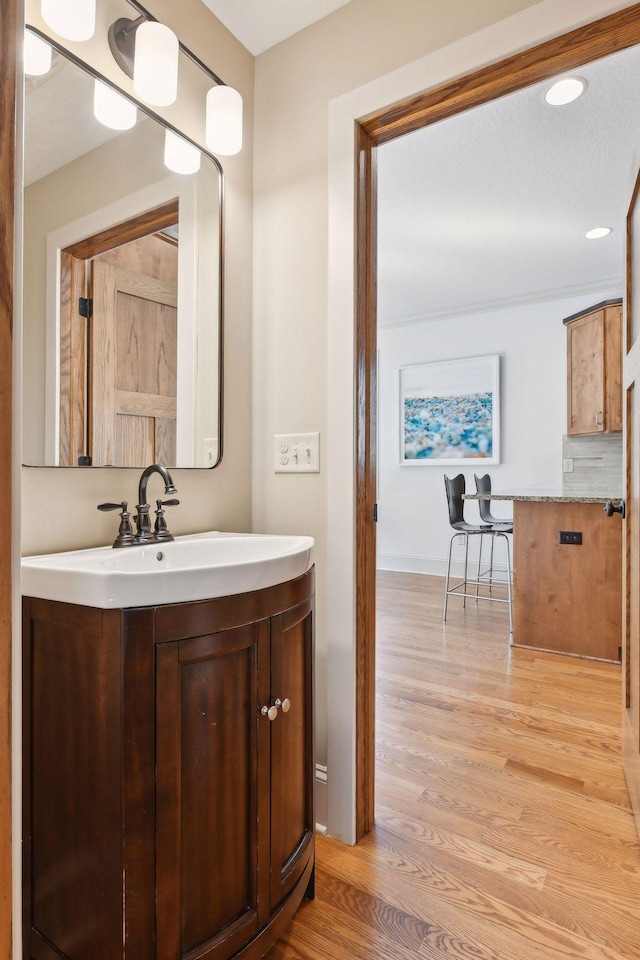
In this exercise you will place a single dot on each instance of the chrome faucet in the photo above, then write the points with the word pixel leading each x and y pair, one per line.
pixel 126 537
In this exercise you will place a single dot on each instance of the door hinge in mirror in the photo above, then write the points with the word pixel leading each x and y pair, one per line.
pixel 375 513
pixel 85 306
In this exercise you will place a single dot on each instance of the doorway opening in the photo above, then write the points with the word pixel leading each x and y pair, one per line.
pixel 582 46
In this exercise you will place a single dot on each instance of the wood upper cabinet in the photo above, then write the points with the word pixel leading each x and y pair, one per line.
pixel 166 816
pixel 594 370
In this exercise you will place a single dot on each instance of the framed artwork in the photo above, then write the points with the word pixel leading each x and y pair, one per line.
pixel 450 412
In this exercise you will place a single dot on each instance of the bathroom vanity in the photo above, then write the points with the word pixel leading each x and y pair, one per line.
pixel 168 768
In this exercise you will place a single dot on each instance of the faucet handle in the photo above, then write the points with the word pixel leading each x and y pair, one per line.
pixel 125 536
pixel 161 531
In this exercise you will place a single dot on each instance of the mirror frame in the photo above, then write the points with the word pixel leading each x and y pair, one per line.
pixel 91 71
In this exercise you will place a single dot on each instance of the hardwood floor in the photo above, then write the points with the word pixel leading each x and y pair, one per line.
pixel 503 824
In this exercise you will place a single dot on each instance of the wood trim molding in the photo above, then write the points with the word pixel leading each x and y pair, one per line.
pixel 151 221
pixel 366 395
pixel 9 20
pixel 591 42
pixel 588 43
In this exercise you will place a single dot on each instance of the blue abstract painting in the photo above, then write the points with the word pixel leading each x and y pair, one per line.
pixel 450 410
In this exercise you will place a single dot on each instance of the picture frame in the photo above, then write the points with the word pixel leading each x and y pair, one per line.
pixel 450 412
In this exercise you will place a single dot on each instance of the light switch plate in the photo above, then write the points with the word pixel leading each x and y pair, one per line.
pixel 296 452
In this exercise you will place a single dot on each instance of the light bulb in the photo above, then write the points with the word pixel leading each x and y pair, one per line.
pixel 224 121
pixel 112 109
pixel 37 55
pixel 155 65
pixel 72 19
pixel 180 156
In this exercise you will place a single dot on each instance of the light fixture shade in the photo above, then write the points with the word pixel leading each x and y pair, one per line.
pixel 597 233
pixel 37 55
pixel 565 91
pixel 72 19
pixel 180 156
pixel 112 109
pixel 223 133
pixel 155 66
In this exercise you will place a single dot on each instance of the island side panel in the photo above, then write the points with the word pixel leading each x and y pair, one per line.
pixel 567 598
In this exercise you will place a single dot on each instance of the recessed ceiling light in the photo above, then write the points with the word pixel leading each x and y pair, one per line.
pixel 565 91
pixel 597 233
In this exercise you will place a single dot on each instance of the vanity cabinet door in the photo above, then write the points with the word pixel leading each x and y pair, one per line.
pixel 212 782
pixel 292 818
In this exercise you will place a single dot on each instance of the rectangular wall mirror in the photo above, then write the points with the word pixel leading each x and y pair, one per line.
pixel 122 299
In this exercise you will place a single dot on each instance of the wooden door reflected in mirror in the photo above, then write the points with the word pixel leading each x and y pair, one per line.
pixel 118 344
pixel 103 220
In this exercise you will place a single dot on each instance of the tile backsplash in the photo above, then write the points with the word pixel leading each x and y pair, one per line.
pixel 596 464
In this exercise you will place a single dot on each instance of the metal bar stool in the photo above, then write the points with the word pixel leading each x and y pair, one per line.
pixel 455 488
pixel 483 485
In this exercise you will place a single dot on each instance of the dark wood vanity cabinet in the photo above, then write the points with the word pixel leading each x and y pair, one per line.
pixel 166 816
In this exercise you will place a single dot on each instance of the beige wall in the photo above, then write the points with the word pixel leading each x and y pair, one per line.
pixel 59 505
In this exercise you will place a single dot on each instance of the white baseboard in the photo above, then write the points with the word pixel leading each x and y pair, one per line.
pixel 321 798
pixel 431 566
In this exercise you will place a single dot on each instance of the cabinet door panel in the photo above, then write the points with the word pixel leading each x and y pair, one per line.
pixel 291 748
pixel 210 759
pixel 74 813
pixel 586 375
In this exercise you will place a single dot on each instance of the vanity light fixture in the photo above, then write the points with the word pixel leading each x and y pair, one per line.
pixel 565 91
pixel 112 109
pixel 37 55
pixel 223 134
pixel 598 233
pixel 179 155
pixel 72 19
pixel 147 51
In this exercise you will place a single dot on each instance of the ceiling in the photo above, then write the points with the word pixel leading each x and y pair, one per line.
pixel 260 24
pixel 490 207
pixel 59 123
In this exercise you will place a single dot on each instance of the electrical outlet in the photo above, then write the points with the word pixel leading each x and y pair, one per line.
pixel 570 536
pixel 567 465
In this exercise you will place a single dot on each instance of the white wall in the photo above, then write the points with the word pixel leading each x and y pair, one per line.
pixel 413 527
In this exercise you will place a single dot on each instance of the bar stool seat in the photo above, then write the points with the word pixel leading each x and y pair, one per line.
pixel 455 488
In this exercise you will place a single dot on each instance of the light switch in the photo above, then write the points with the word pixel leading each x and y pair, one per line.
pixel 296 452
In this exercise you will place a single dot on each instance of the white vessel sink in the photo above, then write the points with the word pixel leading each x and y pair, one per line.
pixel 197 567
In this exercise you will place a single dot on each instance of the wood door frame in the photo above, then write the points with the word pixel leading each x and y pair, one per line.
pixel 8 48
pixel 541 62
pixel 74 270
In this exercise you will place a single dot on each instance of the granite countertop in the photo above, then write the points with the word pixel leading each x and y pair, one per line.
pixel 545 496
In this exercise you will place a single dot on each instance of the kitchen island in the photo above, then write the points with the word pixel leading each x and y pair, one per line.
pixel 567 590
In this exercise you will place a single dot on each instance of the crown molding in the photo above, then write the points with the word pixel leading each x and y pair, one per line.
pixel 506 303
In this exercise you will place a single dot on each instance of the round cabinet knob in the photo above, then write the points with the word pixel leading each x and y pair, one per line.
pixel 285 705
pixel 271 712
